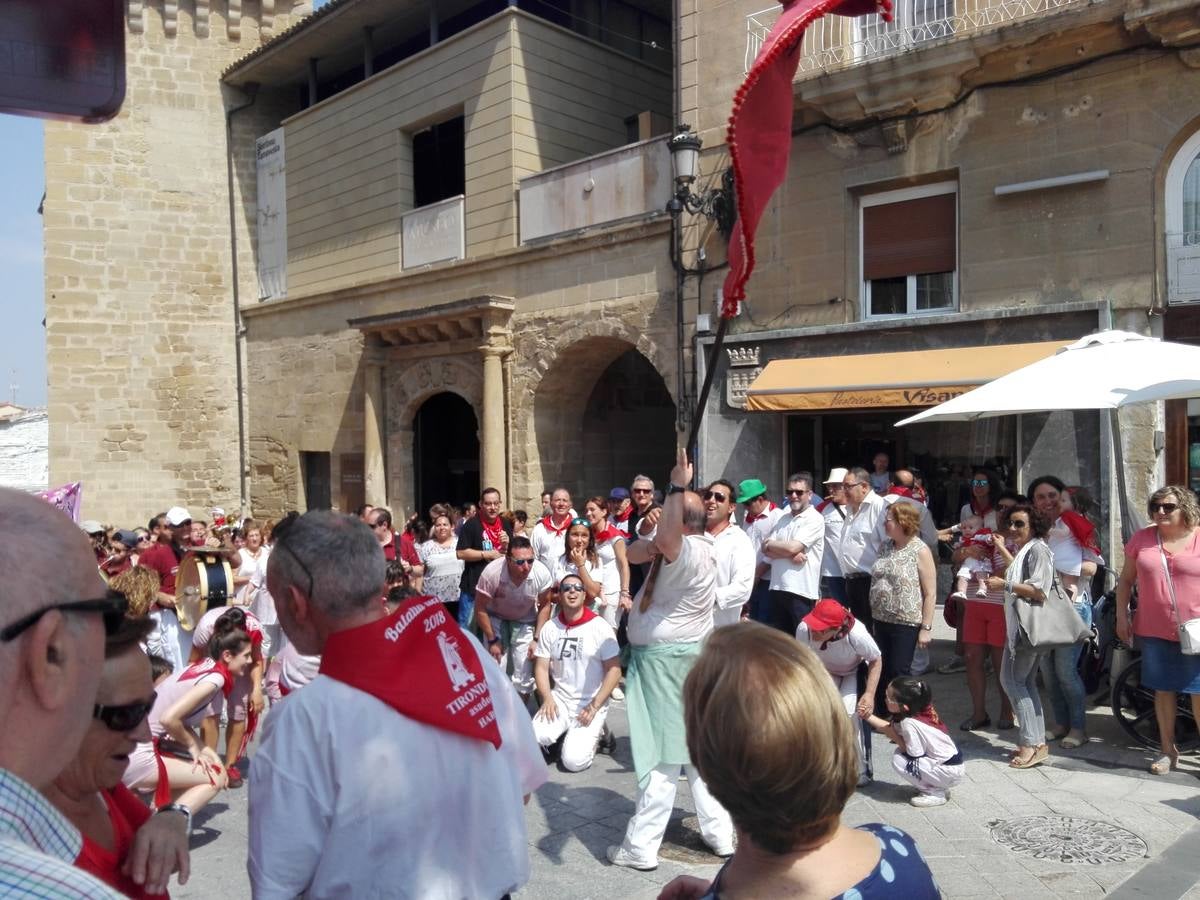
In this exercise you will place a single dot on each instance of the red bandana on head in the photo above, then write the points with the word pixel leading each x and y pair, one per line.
pixel 421 665
pixel 196 670
pixel 760 128
pixel 586 617
pixel 493 532
pixel 751 517
pixel 547 521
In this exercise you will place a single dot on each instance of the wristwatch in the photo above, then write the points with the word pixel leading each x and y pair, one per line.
pixel 673 488
pixel 178 807
pixel 927 628
pixel 494 640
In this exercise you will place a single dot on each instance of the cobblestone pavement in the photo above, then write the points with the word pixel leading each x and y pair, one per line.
pixel 1079 825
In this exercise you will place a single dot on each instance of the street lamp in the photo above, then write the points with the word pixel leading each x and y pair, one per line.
pixel 715 204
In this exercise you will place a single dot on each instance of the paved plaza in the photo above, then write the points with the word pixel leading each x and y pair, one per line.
pixel 1089 822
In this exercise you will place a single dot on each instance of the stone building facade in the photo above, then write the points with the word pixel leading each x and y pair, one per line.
pixel 140 331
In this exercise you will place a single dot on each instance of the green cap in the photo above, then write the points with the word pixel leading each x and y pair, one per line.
pixel 749 489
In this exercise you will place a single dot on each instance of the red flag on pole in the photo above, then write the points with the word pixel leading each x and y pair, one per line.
pixel 760 128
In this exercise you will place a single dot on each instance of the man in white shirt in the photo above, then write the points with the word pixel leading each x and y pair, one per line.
pixel 671 616
pixel 795 547
pixel 549 535
pixel 833 509
pixel 579 649
pixel 861 540
pixel 407 747
pixel 901 491
pixel 761 516
pixel 735 554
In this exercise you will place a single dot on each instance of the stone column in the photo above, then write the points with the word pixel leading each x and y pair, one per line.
pixel 493 466
pixel 374 475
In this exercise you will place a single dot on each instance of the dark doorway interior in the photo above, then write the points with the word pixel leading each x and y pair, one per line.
pixel 314 468
pixel 628 426
pixel 445 451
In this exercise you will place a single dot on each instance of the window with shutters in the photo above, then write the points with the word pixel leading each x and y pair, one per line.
pixel 909 258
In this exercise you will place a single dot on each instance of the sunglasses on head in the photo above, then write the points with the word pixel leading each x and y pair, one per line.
pixel 580 520
pixel 719 496
pixel 112 607
pixel 1166 508
pixel 125 717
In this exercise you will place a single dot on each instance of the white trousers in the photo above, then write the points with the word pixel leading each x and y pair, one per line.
pixel 517 652
pixel 847 686
pixel 609 609
pixel 656 800
pixel 165 640
pixel 926 776
pixel 579 744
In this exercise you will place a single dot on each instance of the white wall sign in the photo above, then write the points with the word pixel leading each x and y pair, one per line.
pixel 272 216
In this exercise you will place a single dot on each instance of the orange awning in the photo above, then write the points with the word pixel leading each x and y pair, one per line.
pixel 910 379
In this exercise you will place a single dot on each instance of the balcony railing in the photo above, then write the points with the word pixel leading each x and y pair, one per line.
pixel 1183 267
pixel 836 42
pixel 610 187
pixel 432 233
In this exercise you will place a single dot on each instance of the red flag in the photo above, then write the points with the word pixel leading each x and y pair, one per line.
pixel 760 128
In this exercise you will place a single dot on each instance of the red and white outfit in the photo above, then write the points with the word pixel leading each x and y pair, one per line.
pixel 610 573
pixel 408 747
pixel 620 522
pixel 240 695
pixel 758 529
pixel 977 569
pixel 577 653
pixel 930 760
pixel 517 605
pixel 550 539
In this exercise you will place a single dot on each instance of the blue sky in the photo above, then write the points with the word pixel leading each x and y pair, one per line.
pixel 22 338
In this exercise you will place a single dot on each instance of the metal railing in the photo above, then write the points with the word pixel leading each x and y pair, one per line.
pixel 836 42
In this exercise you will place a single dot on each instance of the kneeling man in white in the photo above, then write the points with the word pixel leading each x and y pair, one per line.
pixel 579 649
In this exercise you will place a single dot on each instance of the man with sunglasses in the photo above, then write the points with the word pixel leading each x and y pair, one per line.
pixel 734 552
pixel 509 595
pixel 52 634
pixel 795 547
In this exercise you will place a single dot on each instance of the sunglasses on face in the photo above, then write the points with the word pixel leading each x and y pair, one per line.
pixel 792 492
pixel 112 607
pixel 521 562
pixel 643 490
pixel 1164 508
pixel 979 482
pixel 571 589
pixel 125 717
pixel 1017 524
pixel 716 495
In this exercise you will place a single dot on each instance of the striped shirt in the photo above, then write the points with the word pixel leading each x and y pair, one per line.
pixel 38 847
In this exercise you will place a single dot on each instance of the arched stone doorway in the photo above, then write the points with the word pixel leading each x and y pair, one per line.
pixel 602 413
pixel 445 451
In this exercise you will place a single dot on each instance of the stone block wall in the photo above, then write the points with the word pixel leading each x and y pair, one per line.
pixel 139 310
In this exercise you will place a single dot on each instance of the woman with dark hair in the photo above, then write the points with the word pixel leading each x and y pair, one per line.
pixel 1163 560
pixel 1029 578
pixel 610 548
pixel 580 558
pixel 115 824
pixel 443 568
pixel 1072 543
pixel 985 491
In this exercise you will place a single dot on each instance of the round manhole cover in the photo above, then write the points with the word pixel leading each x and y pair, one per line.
pixel 683 844
pixel 1069 840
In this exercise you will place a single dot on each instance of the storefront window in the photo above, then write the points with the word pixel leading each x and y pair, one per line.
pixel 1193 431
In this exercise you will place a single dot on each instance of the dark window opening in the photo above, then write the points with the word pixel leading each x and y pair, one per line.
pixel 439 162
pixel 314 469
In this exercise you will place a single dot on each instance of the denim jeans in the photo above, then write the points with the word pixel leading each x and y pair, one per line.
pixel 1064 684
pixel 833 587
pixel 466 610
pixel 1018 677
pixel 897 643
pixel 760 604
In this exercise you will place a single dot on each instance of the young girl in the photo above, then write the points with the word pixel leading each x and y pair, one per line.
pixel 581 559
pixel 925 755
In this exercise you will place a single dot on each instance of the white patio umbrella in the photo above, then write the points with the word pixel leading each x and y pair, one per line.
pixel 1107 370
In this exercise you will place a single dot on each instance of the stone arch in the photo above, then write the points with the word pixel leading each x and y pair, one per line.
pixel 409 384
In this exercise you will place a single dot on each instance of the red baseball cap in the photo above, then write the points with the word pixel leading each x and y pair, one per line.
pixel 825 615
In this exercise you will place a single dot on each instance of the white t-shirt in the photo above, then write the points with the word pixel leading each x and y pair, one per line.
pixel 609 570
pixel 262 604
pixel 989 519
pixel 808 528
pixel 925 740
pixel 512 602
pixel 565 567
pixel 842 657
pixel 758 530
pixel 173 690
pixel 577 655
pixel 250 565
pixel 735 574
pixel 349 798
pixel 548 545
pixel 1066 550
pixel 835 520
pixel 204 630
pixel 685 592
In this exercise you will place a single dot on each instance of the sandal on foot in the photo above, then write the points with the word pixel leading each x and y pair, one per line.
pixel 1073 740
pixel 1037 757
pixel 1164 764
pixel 975 724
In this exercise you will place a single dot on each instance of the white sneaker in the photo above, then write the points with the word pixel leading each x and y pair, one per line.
pixel 927 800
pixel 982 592
pixel 619 856
pixel 617 693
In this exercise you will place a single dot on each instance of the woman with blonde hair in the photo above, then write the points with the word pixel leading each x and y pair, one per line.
pixel 767 732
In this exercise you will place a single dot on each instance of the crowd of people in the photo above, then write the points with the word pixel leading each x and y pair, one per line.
pixel 420 678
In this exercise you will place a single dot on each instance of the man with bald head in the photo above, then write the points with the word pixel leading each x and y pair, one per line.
pixel 51 650
pixel 671 616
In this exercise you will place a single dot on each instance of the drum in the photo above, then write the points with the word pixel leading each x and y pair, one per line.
pixel 204 579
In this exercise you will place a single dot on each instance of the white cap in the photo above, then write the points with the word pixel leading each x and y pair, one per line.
pixel 91 526
pixel 836 476
pixel 177 515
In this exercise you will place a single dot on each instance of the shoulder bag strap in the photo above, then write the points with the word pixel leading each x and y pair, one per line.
pixel 1162 555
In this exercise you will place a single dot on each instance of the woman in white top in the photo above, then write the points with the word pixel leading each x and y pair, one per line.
pixel 1075 565
pixel 443 568
pixel 581 559
pixel 610 547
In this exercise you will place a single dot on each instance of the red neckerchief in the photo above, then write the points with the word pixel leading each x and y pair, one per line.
pixel 822 506
pixel 492 532
pixel 205 666
pixel 930 717
pixel 1081 529
pixel 587 616
pixel 978 508
pixel 248 734
pixel 550 524
pixel 901 491
pixel 421 665
pixel 625 514
pixel 751 517
pixel 608 533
